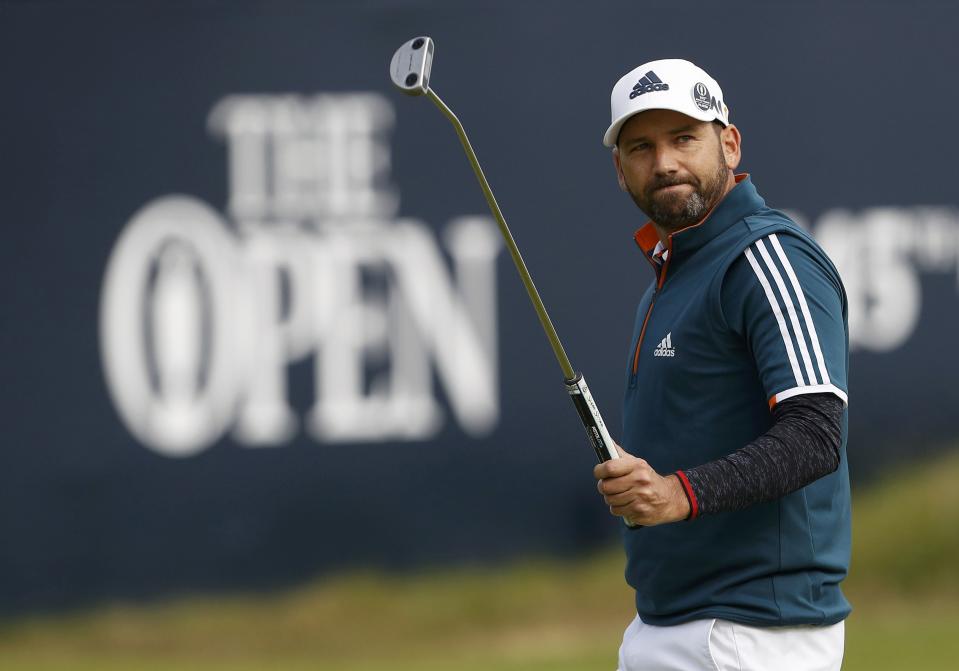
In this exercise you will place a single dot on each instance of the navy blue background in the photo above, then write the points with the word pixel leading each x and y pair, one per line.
pixel 103 107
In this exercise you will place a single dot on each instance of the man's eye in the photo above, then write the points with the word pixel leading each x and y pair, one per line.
pixel 682 139
pixel 640 146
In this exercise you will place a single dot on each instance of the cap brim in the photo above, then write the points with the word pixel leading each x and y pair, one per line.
pixel 612 133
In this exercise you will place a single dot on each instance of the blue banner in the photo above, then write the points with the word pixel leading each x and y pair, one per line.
pixel 259 324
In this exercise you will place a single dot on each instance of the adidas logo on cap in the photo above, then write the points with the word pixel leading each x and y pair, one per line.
pixel 666 348
pixel 647 84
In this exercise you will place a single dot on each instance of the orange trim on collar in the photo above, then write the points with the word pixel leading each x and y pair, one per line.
pixel 646 237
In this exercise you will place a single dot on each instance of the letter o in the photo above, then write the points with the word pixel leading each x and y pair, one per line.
pixel 174 427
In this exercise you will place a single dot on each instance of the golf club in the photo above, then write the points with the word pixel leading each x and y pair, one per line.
pixel 410 72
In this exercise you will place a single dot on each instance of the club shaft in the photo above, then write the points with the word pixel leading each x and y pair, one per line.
pixel 544 319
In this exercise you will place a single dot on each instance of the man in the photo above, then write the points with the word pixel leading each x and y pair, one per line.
pixel 736 390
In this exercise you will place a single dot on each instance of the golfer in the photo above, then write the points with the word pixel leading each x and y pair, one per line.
pixel 734 474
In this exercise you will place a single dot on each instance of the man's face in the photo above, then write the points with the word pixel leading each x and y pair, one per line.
pixel 676 168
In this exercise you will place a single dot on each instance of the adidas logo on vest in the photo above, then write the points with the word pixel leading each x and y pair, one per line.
pixel 665 348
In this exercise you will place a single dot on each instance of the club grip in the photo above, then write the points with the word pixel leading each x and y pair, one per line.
pixel 592 420
pixel 594 424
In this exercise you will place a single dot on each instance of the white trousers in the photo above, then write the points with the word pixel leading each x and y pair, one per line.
pixel 721 645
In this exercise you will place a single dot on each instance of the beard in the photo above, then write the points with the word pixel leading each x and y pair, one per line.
pixel 673 211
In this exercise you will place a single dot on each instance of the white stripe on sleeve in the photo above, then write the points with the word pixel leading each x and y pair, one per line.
pixel 790 310
pixel 810 325
pixel 809 389
pixel 774 304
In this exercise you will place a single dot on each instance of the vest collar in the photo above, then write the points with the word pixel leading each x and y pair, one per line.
pixel 741 201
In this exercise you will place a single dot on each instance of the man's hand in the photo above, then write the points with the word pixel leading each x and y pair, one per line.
pixel 634 491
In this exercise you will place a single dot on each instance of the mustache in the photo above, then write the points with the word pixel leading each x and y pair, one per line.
pixel 671 181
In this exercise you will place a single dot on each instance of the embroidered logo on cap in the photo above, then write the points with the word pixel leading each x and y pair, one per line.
pixel 648 83
pixel 701 96
pixel 705 101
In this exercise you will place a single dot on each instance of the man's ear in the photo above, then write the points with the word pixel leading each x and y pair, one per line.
pixel 619 169
pixel 731 140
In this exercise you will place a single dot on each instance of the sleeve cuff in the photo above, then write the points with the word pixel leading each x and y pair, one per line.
pixel 690 495
pixel 808 389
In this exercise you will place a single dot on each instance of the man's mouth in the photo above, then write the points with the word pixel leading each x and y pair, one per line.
pixel 670 188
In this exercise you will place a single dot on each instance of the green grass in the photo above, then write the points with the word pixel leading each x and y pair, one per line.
pixel 531 616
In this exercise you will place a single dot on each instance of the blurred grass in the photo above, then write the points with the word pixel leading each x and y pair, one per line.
pixel 531 616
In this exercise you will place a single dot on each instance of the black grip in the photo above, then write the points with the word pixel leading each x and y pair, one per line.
pixel 602 451
pixel 589 419
pixel 594 424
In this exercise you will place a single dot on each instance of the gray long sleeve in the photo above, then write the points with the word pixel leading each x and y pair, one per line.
pixel 802 446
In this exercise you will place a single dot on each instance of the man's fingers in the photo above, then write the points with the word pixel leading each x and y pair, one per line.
pixel 638 477
pixel 622 499
pixel 624 484
pixel 621 492
pixel 613 486
pixel 615 468
pixel 610 469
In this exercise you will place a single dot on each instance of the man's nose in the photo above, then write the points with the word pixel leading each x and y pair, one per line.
pixel 665 161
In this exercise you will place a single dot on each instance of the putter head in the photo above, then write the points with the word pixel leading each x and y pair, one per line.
pixel 410 67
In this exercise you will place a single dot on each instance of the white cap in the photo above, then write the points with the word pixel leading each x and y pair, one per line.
pixel 670 84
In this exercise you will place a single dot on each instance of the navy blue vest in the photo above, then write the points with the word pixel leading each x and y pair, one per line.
pixel 746 311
